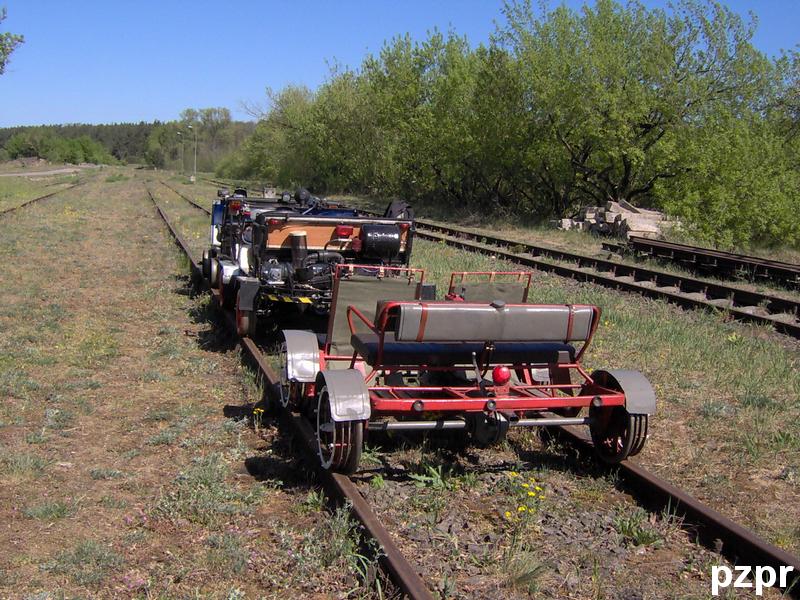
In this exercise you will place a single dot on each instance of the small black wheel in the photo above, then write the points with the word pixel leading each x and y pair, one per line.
pixel 339 444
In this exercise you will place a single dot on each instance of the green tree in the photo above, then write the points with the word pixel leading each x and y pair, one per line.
pixel 8 42
pixel 617 85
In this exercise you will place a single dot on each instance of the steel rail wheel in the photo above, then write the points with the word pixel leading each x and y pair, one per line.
pixel 338 443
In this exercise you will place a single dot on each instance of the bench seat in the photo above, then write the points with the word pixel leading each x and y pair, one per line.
pixel 458 353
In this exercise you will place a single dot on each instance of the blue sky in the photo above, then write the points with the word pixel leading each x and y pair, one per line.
pixel 119 60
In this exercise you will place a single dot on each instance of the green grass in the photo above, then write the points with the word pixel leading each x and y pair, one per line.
pixel 48 511
pixel 202 495
pixel 99 474
pixel 116 177
pixel 631 525
pixel 24 464
pixel 227 554
pixel 88 563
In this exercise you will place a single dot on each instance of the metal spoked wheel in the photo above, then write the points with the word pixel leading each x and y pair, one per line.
pixel 338 443
pixel 286 388
pixel 616 433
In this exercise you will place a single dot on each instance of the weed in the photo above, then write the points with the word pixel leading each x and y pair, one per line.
pixel 314 502
pixel 116 177
pixel 36 437
pixel 432 477
pixel 24 464
pixel 378 482
pixel 524 571
pixel 631 526
pixel 370 455
pixel 164 437
pixel 158 415
pixel 56 418
pixel 48 511
pixel 227 553
pixel 87 563
pixel 111 502
pixel 202 495
pixel 152 376
pixel 106 474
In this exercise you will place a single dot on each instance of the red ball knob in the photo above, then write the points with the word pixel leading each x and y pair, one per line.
pixel 501 375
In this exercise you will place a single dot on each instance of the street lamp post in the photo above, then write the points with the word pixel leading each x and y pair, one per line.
pixel 194 172
pixel 180 135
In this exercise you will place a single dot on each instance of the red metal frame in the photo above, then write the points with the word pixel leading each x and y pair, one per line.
pixel 492 275
pixel 527 396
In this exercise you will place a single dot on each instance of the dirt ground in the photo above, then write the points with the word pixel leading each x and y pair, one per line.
pixel 121 474
pixel 126 470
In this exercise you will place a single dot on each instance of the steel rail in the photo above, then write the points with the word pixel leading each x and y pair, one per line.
pixel 32 200
pixel 684 291
pixel 717 261
pixel 402 573
pixel 714 530
pixel 185 197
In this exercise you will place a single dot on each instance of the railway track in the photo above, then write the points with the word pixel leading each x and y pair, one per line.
pixel 712 529
pixel 401 572
pixel 781 313
pixel 37 199
pixel 713 262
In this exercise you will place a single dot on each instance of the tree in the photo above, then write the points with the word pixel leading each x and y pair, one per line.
pixel 618 85
pixel 8 42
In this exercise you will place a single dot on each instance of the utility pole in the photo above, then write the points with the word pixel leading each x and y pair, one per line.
pixel 194 172
pixel 183 162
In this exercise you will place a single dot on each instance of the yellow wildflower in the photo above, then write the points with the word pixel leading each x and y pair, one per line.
pixel 513 474
pixel 531 493
pixel 525 485
pixel 508 514
pixel 538 488
pixel 522 508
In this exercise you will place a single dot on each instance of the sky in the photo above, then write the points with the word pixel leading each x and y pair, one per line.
pixel 87 61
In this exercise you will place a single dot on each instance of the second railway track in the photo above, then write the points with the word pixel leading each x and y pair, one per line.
pixel 712 529
pixel 781 313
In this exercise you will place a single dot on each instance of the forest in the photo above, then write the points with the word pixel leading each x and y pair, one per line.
pixel 674 109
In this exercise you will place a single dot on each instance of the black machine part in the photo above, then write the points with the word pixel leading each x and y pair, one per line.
pixel 380 241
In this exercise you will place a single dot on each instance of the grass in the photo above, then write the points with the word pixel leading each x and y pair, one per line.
pixel 24 464
pixel 116 177
pixel 202 495
pixel 88 563
pixel 100 474
pixel 227 554
pixel 48 511
pixel 631 525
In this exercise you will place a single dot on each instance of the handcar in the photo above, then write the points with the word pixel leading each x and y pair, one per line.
pixel 287 258
pixel 481 364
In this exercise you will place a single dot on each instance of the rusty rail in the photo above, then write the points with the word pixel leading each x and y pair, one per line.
pixel 402 573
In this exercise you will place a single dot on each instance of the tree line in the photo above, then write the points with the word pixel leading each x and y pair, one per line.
pixel 161 145
pixel 668 108
pixel 76 143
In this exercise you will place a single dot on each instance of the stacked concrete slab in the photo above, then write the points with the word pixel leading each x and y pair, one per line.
pixel 620 219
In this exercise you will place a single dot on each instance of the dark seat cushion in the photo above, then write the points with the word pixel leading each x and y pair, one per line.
pixel 458 353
